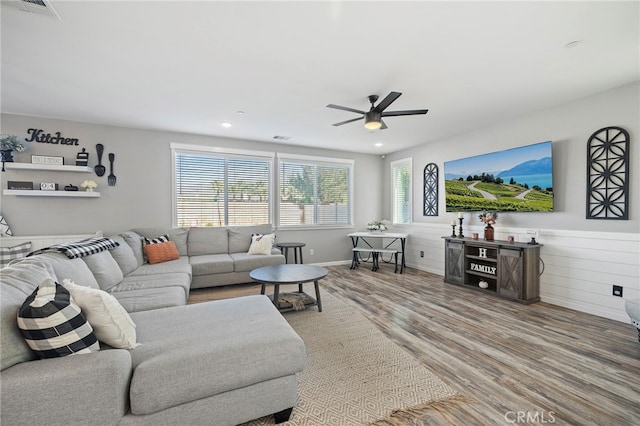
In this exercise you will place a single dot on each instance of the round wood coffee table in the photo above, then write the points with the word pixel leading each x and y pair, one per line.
pixel 289 274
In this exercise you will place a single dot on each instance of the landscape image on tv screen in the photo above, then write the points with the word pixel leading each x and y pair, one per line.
pixel 517 180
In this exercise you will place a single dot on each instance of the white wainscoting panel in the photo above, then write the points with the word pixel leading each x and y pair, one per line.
pixel 580 268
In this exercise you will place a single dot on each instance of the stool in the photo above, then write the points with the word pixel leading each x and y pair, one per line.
pixel 297 250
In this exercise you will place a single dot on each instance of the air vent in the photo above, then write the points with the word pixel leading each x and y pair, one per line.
pixel 41 7
pixel 282 138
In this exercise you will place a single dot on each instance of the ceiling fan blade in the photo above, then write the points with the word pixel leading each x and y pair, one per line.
pixel 343 108
pixel 387 101
pixel 384 125
pixel 408 112
pixel 347 121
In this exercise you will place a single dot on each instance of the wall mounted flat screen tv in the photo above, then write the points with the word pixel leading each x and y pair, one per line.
pixel 516 180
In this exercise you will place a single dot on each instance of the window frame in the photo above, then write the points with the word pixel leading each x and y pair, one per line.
pixel 314 161
pixel 177 148
pixel 393 166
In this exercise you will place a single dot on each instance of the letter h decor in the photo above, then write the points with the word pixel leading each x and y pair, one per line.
pixel 608 174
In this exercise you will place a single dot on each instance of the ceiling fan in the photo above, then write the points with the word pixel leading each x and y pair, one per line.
pixel 373 117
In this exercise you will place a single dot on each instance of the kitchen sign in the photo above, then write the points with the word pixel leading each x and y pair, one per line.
pixel 39 135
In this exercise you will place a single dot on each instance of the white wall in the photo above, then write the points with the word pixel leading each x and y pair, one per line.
pixel 142 195
pixel 583 258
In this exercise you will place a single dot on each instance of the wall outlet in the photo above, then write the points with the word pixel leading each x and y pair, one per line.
pixel 421 253
pixel 617 290
pixel 311 252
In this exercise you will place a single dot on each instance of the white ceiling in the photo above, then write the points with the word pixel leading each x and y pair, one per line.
pixel 188 66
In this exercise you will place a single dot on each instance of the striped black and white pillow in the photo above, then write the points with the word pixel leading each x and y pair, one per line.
pixel 52 325
pixel 161 239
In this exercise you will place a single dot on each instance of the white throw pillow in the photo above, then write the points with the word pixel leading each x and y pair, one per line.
pixel 261 244
pixel 111 323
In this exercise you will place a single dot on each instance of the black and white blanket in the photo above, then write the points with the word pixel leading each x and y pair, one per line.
pixel 80 248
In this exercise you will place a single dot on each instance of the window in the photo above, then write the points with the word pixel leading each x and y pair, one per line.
pixel 221 188
pixel 314 191
pixel 401 191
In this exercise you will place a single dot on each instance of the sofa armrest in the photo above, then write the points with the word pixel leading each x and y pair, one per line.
pixel 89 389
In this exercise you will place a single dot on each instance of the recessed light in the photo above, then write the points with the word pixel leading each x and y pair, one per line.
pixel 226 124
pixel 239 112
pixel 573 44
pixel 378 144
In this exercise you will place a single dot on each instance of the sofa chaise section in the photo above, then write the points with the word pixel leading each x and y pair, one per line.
pixel 250 346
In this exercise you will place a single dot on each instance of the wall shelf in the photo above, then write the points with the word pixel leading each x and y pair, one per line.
pixel 38 193
pixel 54 167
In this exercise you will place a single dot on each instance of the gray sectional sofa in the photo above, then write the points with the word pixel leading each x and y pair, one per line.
pixel 215 363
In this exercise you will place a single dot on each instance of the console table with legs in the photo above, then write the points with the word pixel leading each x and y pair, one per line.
pixel 362 242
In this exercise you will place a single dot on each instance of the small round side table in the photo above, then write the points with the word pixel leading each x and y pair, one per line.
pixel 297 250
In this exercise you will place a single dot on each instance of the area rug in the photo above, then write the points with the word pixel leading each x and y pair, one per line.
pixel 355 375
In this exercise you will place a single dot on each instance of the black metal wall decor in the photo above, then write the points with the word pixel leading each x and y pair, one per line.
pixel 430 190
pixel 608 174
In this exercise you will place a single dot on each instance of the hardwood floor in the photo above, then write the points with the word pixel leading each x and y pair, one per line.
pixel 521 364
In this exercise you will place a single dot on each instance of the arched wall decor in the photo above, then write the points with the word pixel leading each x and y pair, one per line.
pixel 608 174
pixel 430 204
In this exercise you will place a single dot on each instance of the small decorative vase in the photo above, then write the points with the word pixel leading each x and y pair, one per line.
pixel 488 232
pixel 88 189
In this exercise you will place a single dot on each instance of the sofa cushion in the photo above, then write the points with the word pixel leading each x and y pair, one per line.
pixel 161 252
pixel 74 269
pixel 244 262
pixel 111 323
pixel 177 235
pixel 240 236
pixel 261 243
pixel 17 283
pixel 169 279
pixel 124 256
pixel 211 264
pixel 7 254
pixel 209 348
pixel 146 299
pixel 134 241
pixel 54 326
pixel 104 268
pixel 208 240
pixel 180 265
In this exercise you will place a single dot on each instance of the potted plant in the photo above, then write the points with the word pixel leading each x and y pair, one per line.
pixel 7 144
pixel 377 226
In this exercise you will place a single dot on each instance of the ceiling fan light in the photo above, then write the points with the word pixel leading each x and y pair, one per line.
pixel 372 121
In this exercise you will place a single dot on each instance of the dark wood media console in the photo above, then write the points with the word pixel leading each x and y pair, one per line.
pixel 511 270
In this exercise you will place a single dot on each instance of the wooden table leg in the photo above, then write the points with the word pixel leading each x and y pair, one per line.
pixel 262 288
pixel 315 283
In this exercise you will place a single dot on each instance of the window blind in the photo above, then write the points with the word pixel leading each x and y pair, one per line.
pixel 314 193
pixel 218 190
pixel 401 191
